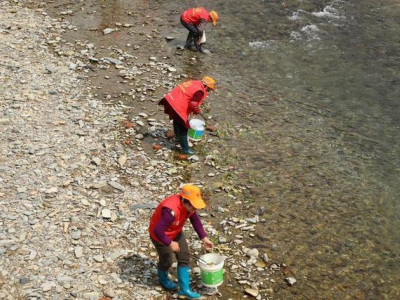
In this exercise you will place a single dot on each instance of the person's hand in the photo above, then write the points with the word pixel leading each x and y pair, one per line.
pixel 175 246
pixel 207 244
pixel 194 107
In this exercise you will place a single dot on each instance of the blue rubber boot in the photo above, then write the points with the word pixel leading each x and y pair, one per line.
pixel 184 284
pixel 165 282
pixel 185 146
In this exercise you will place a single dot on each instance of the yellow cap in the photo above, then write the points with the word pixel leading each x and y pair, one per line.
pixel 209 82
pixel 214 17
pixel 192 193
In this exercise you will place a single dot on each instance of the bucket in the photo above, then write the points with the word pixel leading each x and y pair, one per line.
pixel 212 275
pixel 196 129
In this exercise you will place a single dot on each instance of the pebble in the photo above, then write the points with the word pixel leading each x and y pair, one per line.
pixel 252 292
pixel 76 234
pixel 78 252
pixel 290 281
pixel 4 121
pixel 106 213
pixel 116 185
pixel 85 202
pixel 91 296
pixel 222 240
pixel 108 30
pixel 102 280
pixel 98 258
pixel 171 69
pixel 46 286
pixel 252 253
pixel 122 160
pixel 112 60
pixel 109 293
pixel 96 161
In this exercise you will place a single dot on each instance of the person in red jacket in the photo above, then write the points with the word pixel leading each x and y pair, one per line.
pixel 166 234
pixel 195 20
pixel 183 100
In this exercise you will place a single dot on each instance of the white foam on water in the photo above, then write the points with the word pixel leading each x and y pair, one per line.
pixel 311 31
pixel 295 16
pixel 328 12
pixel 295 36
pixel 330 15
pixel 262 44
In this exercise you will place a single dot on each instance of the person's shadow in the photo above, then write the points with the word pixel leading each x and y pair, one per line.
pixel 141 271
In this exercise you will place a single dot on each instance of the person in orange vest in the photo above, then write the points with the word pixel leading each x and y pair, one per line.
pixel 166 234
pixel 183 100
pixel 195 20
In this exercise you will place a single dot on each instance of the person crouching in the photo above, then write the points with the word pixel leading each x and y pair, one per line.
pixel 195 20
pixel 183 100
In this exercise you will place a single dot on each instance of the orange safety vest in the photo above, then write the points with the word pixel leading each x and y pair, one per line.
pixel 194 15
pixel 181 95
pixel 181 215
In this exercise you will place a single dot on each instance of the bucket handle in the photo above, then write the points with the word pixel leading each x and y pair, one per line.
pixel 198 259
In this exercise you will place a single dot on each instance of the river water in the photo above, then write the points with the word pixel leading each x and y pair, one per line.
pixel 308 113
pixel 310 100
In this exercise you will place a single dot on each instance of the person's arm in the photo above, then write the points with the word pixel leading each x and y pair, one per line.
pixel 166 220
pixel 201 27
pixel 194 103
pixel 198 227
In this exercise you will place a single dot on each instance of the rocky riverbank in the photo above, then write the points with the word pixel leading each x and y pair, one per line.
pixel 78 180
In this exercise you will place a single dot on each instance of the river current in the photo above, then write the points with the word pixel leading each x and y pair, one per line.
pixel 310 96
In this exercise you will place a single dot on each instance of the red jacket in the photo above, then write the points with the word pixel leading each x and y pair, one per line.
pixel 181 215
pixel 194 15
pixel 183 101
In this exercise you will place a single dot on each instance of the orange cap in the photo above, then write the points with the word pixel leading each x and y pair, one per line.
pixel 209 82
pixel 192 193
pixel 214 17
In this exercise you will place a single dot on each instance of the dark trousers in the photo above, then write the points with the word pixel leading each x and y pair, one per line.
pixel 194 34
pixel 165 253
pixel 180 129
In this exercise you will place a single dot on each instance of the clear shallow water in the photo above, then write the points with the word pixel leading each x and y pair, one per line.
pixel 309 91
pixel 308 104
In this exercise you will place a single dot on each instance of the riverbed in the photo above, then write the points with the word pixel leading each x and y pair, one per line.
pixel 307 113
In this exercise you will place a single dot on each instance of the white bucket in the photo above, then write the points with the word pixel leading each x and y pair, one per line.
pixel 212 273
pixel 196 129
